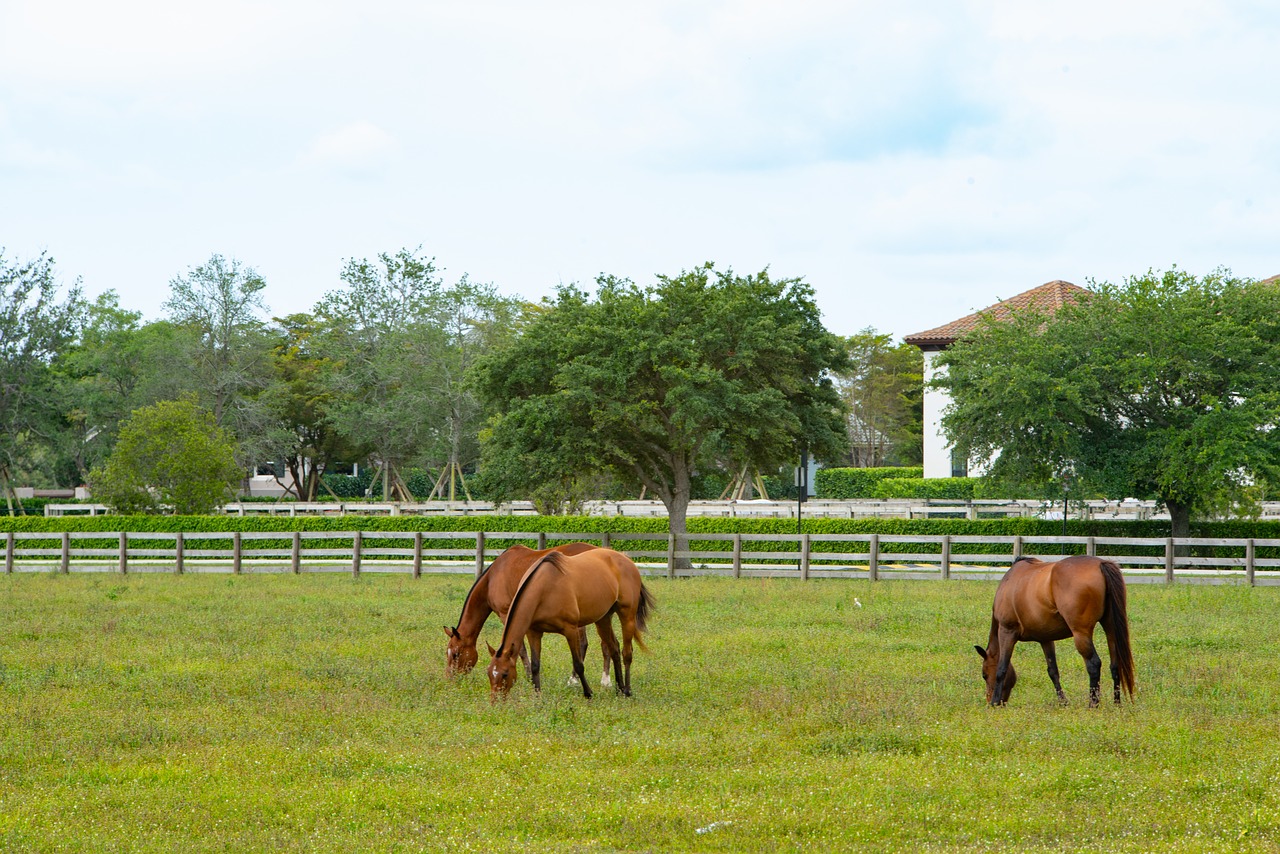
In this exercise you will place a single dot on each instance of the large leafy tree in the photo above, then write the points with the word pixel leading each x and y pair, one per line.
pixel 37 321
pixel 380 342
pixel 300 397
pixel 218 309
pixel 883 388
pixel 652 382
pixel 1167 386
pixel 169 455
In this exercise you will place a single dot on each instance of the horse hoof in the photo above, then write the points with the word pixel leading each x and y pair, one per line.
pixel 573 682
pixel 605 681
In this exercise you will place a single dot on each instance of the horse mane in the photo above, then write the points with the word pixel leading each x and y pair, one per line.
pixel 552 558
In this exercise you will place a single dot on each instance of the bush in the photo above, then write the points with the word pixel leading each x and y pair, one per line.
pixel 843 483
pixel 961 488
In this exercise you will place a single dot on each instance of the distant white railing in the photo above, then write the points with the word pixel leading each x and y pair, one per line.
pixel 803 556
pixel 918 508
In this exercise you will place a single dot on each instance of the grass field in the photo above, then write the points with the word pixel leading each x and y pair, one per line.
pixel 286 713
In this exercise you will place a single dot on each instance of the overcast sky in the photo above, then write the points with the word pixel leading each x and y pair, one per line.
pixel 913 161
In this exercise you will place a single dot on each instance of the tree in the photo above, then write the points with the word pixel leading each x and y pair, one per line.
pixel 171 454
pixel 219 306
pixel 647 382
pixel 883 389
pixel 380 340
pixel 35 325
pixel 300 398
pixel 473 319
pixel 1166 386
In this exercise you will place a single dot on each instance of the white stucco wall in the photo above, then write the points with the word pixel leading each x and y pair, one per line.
pixel 937 453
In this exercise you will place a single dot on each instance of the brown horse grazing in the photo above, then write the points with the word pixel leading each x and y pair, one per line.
pixel 1047 602
pixel 492 593
pixel 561 593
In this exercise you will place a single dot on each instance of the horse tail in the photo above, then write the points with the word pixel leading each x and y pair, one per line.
pixel 1115 622
pixel 643 611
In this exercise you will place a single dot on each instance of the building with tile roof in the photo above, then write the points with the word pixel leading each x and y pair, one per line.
pixel 1046 299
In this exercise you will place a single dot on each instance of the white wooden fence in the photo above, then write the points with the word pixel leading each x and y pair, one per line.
pixel 803 556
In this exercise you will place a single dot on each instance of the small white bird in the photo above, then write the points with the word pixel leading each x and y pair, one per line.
pixel 856 602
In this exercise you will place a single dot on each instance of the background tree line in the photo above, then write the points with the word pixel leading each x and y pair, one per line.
pixel 408 374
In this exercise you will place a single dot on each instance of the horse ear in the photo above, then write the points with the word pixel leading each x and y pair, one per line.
pixel 451 632
pixel 982 652
pixel 492 651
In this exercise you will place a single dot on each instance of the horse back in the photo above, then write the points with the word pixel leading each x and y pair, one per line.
pixel 506 571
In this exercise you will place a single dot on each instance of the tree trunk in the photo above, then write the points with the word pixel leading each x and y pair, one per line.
pixel 677 513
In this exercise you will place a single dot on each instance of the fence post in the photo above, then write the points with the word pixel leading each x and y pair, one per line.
pixel 179 553
pixel 873 559
pixel 737 555
pixel 295 553
pixel 804 557
pixel 605 541
pixel 237 550
pixel 1017 547
pixel 479 553
pixel 671 555
pixel 1249 562
pixel 1168 560
pixel 66 552
pixel 1091 548
pixel 124 553
pixel 417 554
pixel 542 540
pixel 8 553
pixel 357 543
pixel 946 556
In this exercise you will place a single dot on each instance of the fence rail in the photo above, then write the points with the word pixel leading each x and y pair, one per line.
pixel 804 556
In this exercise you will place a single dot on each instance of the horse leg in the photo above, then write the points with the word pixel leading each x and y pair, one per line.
pixel 575 649
pixel 1115 667
pixel 626 619
pixel 1051 659
pixel 582 644
pixel 1092 663
pixel 610 651
pixel 535 658
pixel 1006 641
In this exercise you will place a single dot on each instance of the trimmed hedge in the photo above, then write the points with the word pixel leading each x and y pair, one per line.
pixel 589 525
pixel 962 488
pixel 843 483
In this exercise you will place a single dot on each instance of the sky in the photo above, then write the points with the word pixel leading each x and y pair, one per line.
pixel 912 161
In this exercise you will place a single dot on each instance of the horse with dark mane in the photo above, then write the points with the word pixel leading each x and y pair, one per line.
pixel 562 593
pixel 1047 602
pixel 492 593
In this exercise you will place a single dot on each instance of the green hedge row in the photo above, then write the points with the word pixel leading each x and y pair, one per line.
pixel 844 483
pixel 960 488
pixel 589 525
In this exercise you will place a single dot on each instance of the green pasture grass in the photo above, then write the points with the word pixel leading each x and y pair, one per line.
pixel 285 713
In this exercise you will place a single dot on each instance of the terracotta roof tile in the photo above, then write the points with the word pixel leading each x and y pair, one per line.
pixel 1049 297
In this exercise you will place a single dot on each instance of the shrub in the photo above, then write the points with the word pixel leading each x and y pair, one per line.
pixel 843 483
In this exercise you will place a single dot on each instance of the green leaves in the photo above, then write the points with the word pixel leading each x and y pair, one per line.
pixel 1163 386
pixel 170 455
pixel 700 368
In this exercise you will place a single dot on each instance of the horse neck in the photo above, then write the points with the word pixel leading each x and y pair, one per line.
pixel 475 610
pixel 523 606
pixel 993 639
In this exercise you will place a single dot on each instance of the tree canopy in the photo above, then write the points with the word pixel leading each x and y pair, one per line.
pixel 883 388
pixel 1166 386
pixel 172 454
pixel 36 323
pixel 701 368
